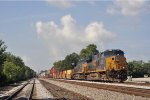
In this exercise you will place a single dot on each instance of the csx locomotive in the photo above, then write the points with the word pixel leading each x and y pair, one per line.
pixel 109 65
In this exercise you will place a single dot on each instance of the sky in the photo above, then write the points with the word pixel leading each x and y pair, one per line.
pixel 42 32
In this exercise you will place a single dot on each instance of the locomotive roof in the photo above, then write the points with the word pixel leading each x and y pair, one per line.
pixel 112 50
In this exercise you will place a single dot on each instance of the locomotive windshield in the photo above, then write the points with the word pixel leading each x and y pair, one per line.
pixel 113 52
pixel 118 52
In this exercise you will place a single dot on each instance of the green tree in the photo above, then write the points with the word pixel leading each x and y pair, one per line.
pixel 130 68
pixel 27 72
pixel 2 50
pixel 2 59
pixel 146 67
pixel 71 60
pixel 21 74
pixel 136 68
pixel 12 68
pixel 68 63
pixel 58 64
pixel 83 53
pixel 90 50
pixel 16 60
pixel 11 71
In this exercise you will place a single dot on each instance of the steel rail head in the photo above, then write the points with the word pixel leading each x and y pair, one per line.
pixel 31 92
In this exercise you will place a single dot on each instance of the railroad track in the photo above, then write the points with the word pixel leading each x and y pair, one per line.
pixel 140 84
pixel 25 92
pixel 61 93
pixel 121 89
pixel 54 90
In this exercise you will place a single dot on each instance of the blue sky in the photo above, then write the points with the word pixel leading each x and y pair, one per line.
pixel 42 32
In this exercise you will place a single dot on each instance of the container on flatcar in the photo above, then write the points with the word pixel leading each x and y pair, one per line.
pixel 56 75
pixel 53 72
pixel 60 74
pixel 64 74
pixel 50 75
pixel 69 74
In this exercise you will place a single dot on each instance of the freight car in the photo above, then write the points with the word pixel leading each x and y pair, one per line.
pixel 109 65
pixel 53 72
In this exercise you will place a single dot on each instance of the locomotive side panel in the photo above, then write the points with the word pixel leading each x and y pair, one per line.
pixel 101 63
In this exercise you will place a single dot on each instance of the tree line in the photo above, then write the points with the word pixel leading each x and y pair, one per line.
pixel 138 68
pixel 72 59
pixel 12 68
pixel 135 68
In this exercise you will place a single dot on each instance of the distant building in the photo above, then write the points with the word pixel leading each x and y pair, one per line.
pixel 43 74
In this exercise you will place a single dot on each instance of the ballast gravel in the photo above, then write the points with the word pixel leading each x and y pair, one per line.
pixel 25 92
pixel 12 90
pixel 96 94
pixel 141 79
pixel 115 84
pixel 40 92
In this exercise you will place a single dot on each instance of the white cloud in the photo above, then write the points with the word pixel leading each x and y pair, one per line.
pixel 96 32
pixel 68 37
pixel 60 3
pixel 128 7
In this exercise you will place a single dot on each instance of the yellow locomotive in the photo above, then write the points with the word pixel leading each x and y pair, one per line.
pixel 109 65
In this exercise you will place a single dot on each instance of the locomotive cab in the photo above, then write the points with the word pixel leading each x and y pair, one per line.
pixel 115 59
pixel 116 65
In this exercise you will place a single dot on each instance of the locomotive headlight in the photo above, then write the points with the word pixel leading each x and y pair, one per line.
pixel 123 67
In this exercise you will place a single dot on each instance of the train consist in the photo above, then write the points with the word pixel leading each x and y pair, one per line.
pixel 109 65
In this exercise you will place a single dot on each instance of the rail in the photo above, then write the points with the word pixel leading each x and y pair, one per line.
pixel 20 89
pixel 31 92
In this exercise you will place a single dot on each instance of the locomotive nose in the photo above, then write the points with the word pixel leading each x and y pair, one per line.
pixel 123 68
pixel 117 58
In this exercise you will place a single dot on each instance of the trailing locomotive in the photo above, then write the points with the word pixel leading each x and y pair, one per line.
pixel 109 65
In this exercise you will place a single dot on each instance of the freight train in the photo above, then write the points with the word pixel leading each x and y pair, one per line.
pixel 109 65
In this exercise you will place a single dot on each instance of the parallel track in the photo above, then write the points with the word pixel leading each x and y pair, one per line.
pixel 121 89
pixel 14 95
pixel 54 90
pixel 62 94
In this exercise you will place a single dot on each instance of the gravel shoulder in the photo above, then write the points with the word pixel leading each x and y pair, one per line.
pixel 115 84
pixel 141 79
pixel 40 92
pixel 96 94
pixel 61 93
